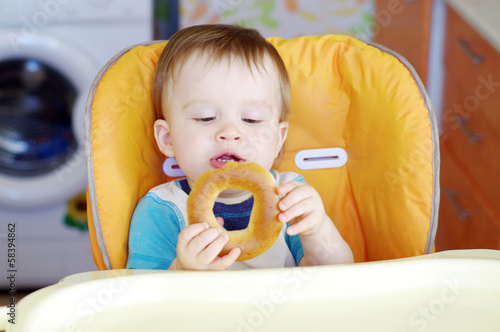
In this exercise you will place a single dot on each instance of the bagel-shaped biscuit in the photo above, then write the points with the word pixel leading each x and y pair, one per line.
pixel 264 226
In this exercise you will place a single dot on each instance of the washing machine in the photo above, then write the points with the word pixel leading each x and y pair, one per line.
pixel 50 52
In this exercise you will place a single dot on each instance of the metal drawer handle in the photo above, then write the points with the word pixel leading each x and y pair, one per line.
pixel 451 195
pixel 465 46
pixel 461 122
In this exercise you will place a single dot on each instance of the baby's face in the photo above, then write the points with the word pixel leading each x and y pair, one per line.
pixel 222 112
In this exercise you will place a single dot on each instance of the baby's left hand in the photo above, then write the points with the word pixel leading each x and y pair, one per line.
pixel 301 207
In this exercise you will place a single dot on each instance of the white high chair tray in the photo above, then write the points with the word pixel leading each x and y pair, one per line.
pixel 446 291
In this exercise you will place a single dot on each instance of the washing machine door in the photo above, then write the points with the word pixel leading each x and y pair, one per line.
pixel 43 89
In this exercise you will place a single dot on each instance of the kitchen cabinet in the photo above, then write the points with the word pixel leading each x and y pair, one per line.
pixel 469 215
pixel 404 26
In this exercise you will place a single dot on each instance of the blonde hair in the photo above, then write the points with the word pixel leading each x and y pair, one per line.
pixel 220 42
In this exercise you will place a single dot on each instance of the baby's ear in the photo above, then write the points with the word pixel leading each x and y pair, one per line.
pixel 162 136
pixel 282 134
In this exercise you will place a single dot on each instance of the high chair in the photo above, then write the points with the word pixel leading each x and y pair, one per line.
pixel 362 132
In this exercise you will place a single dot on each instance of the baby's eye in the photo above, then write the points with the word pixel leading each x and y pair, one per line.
pixel 251 121
pixel 205 119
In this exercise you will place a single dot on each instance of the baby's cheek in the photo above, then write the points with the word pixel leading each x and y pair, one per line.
pixel 249 151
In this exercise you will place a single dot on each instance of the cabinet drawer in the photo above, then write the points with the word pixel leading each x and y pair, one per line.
pixel 464 222
pixel 474 66
pixel 467 51
pixel 474 144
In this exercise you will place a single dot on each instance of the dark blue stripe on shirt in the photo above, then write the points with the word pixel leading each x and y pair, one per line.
pixel 236 216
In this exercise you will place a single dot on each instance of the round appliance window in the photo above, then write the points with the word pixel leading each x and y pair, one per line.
pixel 36 104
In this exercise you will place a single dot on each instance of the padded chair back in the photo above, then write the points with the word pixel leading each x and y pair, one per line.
pixel 359 113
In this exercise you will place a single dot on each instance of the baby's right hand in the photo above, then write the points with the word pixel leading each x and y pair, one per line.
pixel 198 247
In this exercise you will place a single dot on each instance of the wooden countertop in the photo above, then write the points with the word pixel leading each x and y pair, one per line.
pixel 482 15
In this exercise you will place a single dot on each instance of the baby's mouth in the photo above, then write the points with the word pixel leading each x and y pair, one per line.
pixel 226 158
pixel 221 160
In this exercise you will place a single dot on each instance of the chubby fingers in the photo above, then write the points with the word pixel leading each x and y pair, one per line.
pixel 195 238
pixel 295 201
pixel 222 263
pixel 298 203
pixel 189 233
pixel 199 245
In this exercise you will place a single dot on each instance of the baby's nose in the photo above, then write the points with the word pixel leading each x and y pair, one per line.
pixel 228 133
